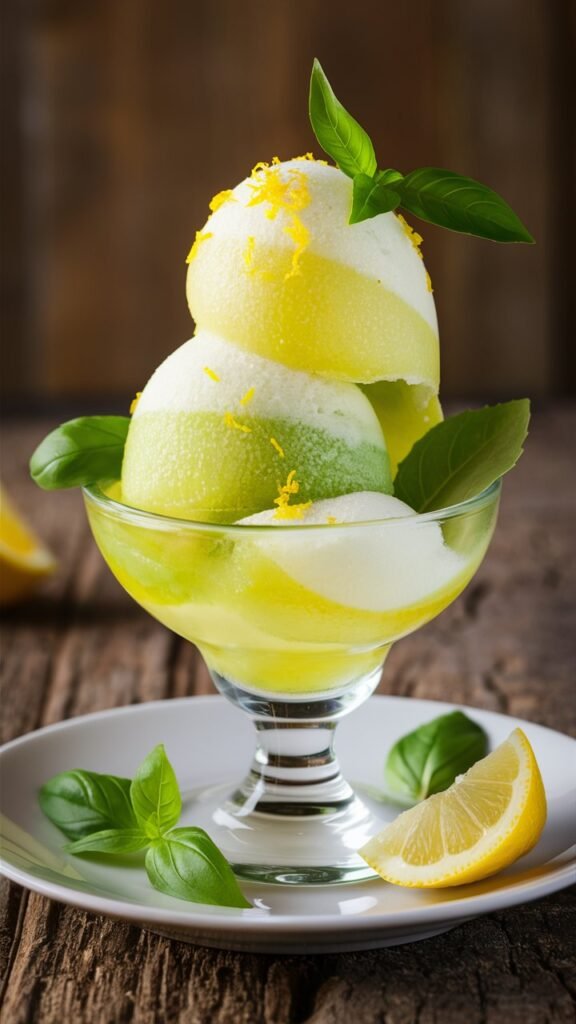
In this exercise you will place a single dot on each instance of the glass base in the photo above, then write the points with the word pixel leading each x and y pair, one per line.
pixel 294 819
pixel 314 847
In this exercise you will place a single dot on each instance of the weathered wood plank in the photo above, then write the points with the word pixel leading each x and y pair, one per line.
pixel 143 111
pixel 82 644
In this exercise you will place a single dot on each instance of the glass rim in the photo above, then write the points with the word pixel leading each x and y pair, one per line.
pixel 130 513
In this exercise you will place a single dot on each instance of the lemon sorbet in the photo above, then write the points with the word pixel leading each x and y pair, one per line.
pixel 316 293
pixel 296 603
pixel 218 430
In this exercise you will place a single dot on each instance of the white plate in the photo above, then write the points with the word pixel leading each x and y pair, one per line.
pixel 209 741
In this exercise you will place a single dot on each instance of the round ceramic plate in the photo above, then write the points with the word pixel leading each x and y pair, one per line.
pixel 210 742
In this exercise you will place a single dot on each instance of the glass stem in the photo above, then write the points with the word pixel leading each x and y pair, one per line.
pixel 294 772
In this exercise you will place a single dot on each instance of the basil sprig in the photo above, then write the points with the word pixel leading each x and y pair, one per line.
pixel 463 455
pixel 106 814
pixel 80 803
pixel 80 452
pixel 435 195
pixel 429 759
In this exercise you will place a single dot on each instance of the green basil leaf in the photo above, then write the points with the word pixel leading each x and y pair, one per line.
pixel 461 204
pixel 155 794
pixel 114 840
pixel 463 455
pixel 371 196
pixel 80 452
pixel 429 759
pixel 188 865
pixel 340 136
pixel 80 803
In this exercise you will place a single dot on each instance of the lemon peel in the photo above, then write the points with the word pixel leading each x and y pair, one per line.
pixel 24 560
pixel 225 196
pixel 413 235
pixel 278 447
pixel 486 820
pixel 134 403
pixel 248 254
pixel 212 374
pixel 233 423
pixel 284 509
pixel 201 236
pixel 286 195
pixel 247 397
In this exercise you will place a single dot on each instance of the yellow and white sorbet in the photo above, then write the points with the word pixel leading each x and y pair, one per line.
pixel 379 556
pixel 279 270
pixel 219 433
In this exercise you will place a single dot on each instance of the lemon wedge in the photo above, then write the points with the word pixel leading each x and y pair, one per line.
pixel 23 558
pixel 488 818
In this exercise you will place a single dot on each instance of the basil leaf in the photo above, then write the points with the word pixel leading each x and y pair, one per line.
pixel 371 196
pixel 429 759
pixel 461 204
pixel 80 803
pixel 155 794
pixel 340 136
pixel 463 455
pixel 188 865
pixel 80 452
pixel 114 840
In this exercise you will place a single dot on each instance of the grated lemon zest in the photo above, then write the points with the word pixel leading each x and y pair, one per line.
pixel 413 235
pixel 231 422
pixel 286 194
pixel 248 255
pixel 278 447
pixel 247 398
pixel 285 491
pixel 134 402
pixel 429 282
pixel 311 158
pixel 225 196
pixel 201 236
pixel 292 511
pixel 300 235
pixel 211 373
pixel 331 520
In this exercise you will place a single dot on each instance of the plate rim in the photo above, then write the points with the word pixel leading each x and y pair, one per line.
pixel 255 921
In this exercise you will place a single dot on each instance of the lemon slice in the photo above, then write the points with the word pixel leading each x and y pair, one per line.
pixel 488 818
pixel 23 558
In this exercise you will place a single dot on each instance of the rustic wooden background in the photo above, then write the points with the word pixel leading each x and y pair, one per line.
pixel 508 644
pixel 121 119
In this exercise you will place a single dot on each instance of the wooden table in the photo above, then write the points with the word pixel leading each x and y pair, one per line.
pixel 508 644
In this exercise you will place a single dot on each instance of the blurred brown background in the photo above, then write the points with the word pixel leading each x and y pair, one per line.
pixel 121 118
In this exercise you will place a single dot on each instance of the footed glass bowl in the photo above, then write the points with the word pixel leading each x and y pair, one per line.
pixel 294 623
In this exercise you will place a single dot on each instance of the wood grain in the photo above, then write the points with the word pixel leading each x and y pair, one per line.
pixel 508 644
pixel 123 119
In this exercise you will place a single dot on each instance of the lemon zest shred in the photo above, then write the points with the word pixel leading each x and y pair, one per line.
pixel 278 447
pixel 300 235
pixel 413 235
pixel 331 520
pixel 231 422
pixel 285 194
pixel 211 373
pixel 247 398
pixel 429 283
pixel 134 402
pixel 311 158
pixel 248 255
pixel 201 236
pixel 285 491
pixel 292 511
pixel 225 196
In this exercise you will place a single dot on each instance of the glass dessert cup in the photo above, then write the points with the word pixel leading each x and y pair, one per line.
pixel 294 624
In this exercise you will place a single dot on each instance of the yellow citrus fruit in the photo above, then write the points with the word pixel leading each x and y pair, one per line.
pixel 23 558
pixel 488 818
